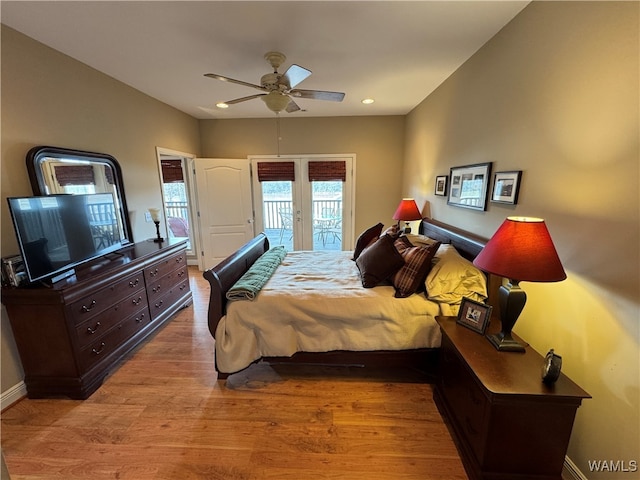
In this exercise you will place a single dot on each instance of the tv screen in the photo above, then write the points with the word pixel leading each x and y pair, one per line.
pixel 59 232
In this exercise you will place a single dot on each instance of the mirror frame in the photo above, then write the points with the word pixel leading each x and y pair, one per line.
pixel 36 156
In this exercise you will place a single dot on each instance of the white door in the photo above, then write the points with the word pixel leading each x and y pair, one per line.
pixel 225 211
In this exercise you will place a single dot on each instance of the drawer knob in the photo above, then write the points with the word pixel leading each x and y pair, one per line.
pixel 181 273
pixel 94 329
pixel 140 318
pixel 88 309
pixel 159 304
pixel 98 351
pixel 156 289
pixel 134 283
pixel 154 272
pixel 136 301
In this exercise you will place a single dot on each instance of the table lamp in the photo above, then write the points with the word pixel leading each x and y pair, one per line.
pixel 520 250
pixel 155 217
pixel 407 211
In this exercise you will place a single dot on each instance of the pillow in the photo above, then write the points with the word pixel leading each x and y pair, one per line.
pixel 419 240
pixel 366 238
pixel 453 277
pixel 417 263
pixel 378 262
pixel 393 231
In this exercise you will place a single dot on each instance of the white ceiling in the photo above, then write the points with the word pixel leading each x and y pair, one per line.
pixel 393 51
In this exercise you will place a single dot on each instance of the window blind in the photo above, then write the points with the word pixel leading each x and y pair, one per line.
pixel 324 171
pixel 172 171
pixel 276 171
pixel 74 175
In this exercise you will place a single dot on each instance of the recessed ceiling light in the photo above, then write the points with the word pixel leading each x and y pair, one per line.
pixel 368 101
pixel 222 105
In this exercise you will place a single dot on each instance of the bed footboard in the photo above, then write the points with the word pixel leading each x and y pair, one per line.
pixel 224 275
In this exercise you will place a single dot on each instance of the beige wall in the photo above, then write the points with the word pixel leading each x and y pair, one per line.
pixel 555 94
pixel 376 141
pixel 51 99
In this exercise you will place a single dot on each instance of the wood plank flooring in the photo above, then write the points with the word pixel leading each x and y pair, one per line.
pixel 164 415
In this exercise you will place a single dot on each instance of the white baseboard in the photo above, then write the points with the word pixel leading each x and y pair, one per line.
pixel 570 471
pixel 12 395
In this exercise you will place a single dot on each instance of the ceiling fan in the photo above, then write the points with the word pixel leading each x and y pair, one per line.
pixel 278 89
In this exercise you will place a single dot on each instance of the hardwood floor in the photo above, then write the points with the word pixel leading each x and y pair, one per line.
pixel 164 415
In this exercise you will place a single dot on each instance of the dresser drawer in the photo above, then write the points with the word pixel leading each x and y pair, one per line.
pixel 465 398
pixel 163 267
pixel 100 300
pixel 160 304
pixel 113 339
pixel 91 330
pixel 156 288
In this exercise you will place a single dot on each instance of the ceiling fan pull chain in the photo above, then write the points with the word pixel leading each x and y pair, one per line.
pixel 278 132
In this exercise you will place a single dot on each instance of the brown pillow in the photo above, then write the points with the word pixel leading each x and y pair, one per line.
pixel 366 238
pixel 378 262
pixel 417 263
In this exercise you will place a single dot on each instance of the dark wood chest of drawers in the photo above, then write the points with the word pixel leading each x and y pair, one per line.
pixel 71 334
pixel 506 422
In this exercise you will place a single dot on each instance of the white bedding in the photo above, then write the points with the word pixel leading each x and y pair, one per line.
pixel 315 302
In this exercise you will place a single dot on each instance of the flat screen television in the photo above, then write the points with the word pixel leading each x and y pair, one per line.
pixel 57 233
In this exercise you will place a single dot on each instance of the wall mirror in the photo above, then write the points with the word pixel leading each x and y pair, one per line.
pixel 54 170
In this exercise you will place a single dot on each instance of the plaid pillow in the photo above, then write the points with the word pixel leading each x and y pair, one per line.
pixel 417 263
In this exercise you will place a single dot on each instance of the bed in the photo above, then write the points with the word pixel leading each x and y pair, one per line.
pixel 315 310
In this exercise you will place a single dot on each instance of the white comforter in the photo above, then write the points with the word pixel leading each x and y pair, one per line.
pixel 315 302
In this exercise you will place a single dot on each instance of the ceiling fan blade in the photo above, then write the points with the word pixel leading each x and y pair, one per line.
pixel 244 99
pixel 295 74
pixel 318 95
pixel 232 80
pixel 292 107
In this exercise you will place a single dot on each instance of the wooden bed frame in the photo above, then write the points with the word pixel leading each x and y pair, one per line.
pixel 224 275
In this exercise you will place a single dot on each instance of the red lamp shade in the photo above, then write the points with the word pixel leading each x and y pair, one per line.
pixel 407 210
pixel 522 249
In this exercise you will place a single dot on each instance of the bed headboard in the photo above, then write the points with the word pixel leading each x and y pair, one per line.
pixel 468 244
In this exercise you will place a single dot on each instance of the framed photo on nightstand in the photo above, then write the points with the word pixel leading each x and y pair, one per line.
pixel 474 315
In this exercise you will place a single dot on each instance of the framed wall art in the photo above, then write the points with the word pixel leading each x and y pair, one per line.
pixel 474 315
pixel 506 186
pixel 470 186
pixel 441 185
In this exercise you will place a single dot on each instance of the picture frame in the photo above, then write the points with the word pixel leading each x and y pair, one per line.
pixel 469 186
pixel 442 182
pixel 506 187
pixel 474 315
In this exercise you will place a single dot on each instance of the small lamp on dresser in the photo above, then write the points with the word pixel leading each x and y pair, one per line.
pixel 155 217
pixel 520 250
pixel 407 211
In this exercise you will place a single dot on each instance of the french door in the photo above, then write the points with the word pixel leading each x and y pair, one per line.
pixel 305 203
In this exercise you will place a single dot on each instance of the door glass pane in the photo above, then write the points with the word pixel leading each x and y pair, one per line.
pixel 326 200
pixel 177 210
pixel 277 213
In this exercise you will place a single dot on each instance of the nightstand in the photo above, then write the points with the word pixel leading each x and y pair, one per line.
pixel 507 424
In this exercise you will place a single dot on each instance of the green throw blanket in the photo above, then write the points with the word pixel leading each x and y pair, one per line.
pixel 250 284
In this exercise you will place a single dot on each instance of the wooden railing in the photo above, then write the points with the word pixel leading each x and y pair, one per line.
pixel 321 209
pixel 272 209
pixel 177 209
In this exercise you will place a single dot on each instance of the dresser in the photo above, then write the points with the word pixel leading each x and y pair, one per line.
pixel 505 421
pixel 72 333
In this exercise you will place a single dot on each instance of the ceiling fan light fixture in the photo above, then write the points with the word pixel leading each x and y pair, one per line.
pixel 276 101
